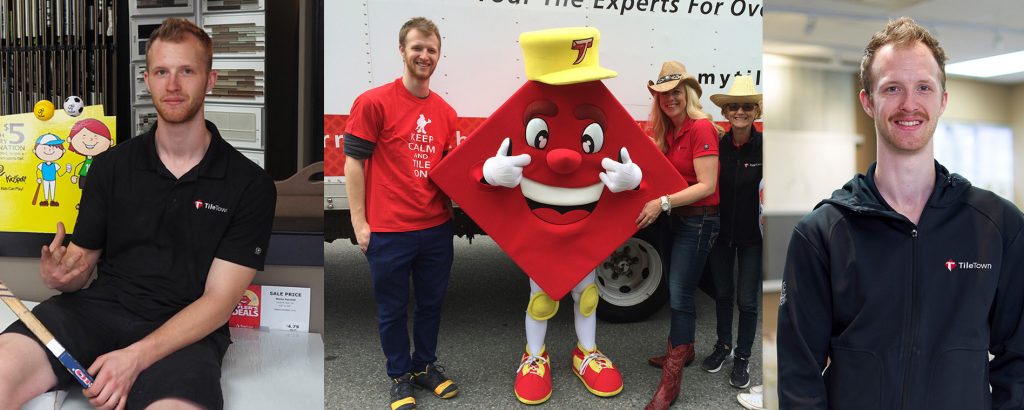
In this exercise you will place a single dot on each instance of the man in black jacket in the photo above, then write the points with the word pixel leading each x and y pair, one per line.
pixel 897 288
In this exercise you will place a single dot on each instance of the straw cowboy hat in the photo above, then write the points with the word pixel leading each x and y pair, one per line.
pixel 742 91
pixel 672 72
pixel 563 55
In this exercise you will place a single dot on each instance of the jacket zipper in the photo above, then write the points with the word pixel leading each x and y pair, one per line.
pixel 735 182
pixel 909 345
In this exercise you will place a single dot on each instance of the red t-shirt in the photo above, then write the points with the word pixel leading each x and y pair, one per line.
pixel 410 134
pixel 695 139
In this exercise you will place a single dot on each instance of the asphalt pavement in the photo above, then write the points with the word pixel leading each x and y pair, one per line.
pixel 482 338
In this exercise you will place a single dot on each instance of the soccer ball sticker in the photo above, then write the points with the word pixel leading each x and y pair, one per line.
pixel 73 106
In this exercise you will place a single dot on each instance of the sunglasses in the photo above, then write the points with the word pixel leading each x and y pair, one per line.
pixel 745 107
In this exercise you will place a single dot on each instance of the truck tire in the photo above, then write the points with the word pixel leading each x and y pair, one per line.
pixel 633 280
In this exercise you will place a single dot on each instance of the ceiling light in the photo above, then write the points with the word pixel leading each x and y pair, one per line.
pixel 989 66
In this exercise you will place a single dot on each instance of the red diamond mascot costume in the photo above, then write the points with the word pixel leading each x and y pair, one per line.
pixel 554 177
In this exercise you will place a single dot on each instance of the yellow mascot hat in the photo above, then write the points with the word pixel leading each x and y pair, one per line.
pixel 563 55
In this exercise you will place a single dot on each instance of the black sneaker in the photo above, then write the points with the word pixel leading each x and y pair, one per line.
pixel 713 363
pixel 740 377
pixel 402 393
pixel 434 380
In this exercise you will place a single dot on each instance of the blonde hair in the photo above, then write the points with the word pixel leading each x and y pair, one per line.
pixel 176 30
pixel 659 124
pixel 901 32
pixel 423 24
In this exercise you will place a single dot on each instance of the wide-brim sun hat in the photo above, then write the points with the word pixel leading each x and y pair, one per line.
pixel 741 91
pixel 563 56
pixel 672 72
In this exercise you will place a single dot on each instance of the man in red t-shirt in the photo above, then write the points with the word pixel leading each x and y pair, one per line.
pixel 395 134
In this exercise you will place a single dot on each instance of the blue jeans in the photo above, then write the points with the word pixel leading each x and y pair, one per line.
pixel 692 239
pixel 426 256
pixel 744 291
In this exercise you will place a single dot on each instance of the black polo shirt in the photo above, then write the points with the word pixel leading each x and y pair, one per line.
pixel 160 234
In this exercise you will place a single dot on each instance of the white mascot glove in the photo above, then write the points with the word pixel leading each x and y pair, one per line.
pixel 620 176
pixel 503 170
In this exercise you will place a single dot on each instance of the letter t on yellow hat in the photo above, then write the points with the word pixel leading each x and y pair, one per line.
pixel 563 55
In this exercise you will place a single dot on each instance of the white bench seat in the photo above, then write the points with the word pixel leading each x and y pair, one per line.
pixel 263 369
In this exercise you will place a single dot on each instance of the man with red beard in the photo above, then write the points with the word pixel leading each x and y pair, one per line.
pixel 177 223
pixel 905 280
pixel 402 221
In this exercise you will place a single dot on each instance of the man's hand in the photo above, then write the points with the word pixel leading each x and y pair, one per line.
pixel 620 176
pixel 362 236
pixel 60 268
pixel 503 170
pixel 115 373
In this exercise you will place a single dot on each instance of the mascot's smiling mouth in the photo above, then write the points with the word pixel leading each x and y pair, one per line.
pixel 558 205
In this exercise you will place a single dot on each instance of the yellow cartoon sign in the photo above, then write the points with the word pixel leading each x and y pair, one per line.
pixel 44 166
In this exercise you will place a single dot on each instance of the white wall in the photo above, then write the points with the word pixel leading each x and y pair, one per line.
pixel 977 101
pixel 810 134
pixel 1016 122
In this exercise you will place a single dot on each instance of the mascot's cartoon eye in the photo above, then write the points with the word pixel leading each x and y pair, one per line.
pixel 593 138
pixel 537 133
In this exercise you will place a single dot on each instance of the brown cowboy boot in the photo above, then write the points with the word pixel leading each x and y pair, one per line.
pixel 671 377
pixel 657 361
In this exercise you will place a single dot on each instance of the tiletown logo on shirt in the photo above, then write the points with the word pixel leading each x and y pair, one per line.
pixel 951 264
pixel 206 205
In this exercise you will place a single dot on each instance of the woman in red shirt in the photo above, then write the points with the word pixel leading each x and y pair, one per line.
pixel 688 137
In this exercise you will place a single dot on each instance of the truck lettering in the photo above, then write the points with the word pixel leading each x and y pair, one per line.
pixel 706 78
pixel 705 7
pixel 564 3
pixel 740 7
pixel 337 140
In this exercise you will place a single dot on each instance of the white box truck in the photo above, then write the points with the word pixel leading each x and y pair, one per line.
pixel 481 66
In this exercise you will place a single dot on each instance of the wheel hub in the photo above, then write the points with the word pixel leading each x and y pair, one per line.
pixel 630 274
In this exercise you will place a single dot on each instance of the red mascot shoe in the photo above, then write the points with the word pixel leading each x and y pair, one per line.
pixel 596 371
pixel 533 378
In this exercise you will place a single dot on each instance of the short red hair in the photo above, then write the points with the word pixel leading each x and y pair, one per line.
pixel 91 124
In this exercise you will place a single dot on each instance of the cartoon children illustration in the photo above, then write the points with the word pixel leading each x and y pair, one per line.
pixel 88 138
pixel 49 148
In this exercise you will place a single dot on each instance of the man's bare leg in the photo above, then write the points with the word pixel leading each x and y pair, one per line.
pixel 174 404
pixel 24 371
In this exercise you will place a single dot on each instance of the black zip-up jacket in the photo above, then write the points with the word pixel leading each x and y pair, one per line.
pixel 906 313
pixel 737 186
